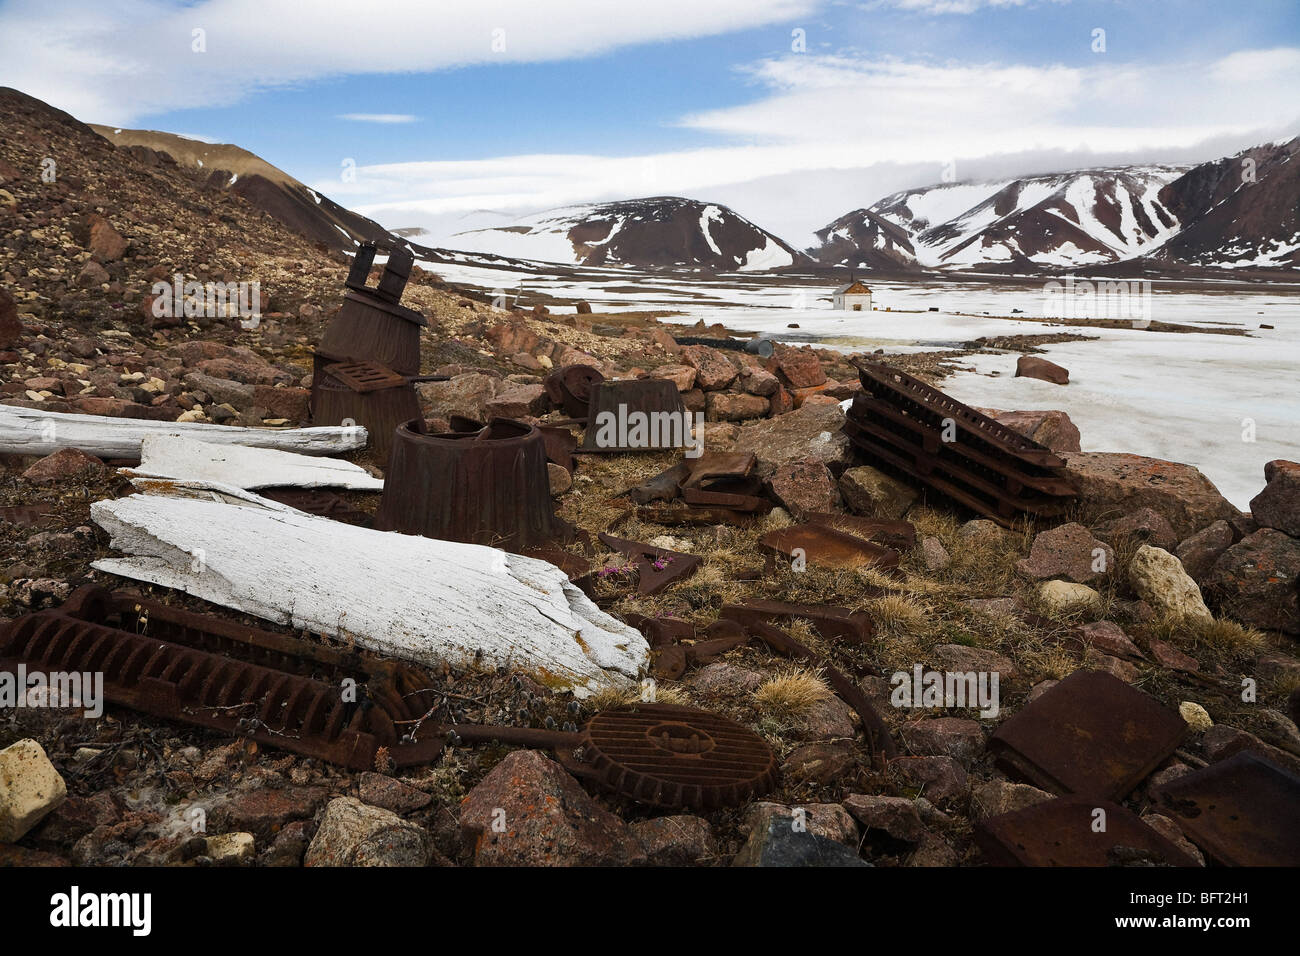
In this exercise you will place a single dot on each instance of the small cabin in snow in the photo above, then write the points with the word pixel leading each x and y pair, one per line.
pixel 854 297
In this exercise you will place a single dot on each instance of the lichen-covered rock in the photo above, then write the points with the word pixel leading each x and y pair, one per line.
pixel 1255 581
pixel 1068 551
pixel 870 492
pixel 30 788
pixel 1065 597
pixel 813 431
pixel 1199 551
pixel 1278 505
pixel 1158 578
pixel 805 487
pixel 354 834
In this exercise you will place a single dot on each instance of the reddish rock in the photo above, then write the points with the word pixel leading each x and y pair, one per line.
pixel 528 811
pixel 65 463
pixel 683 376
pixel 1144 525
pixel 105 243
pixel 759 381
pixel 814 431
pixel 828 820
pixel 513 335
pixel 1278 505
pixel 518 401
pixel 1115 483
pixel 734 407
pixel 677 840
pixel 1199 552
pixel 721 679
pixel 1109 638
pixel 797 368
pixel 1168 656
pixel 265 811
pixel 1070 552
pixel 780 402
pixel 288 403
pixel 465 394
pixel 1257 581
pixel 961 658
pixel 1031 366
pixel 995 797
pixel 712 369
pixel 694 400
pixel 804 487
pixel 941 780
pixel 820 763
pixel 248 371
pixel 583 308
pixel 1051 428
pixel 380 790
pixel 895 816
pixel 120 408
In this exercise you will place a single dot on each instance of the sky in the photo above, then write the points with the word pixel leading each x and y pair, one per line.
pixel 448 115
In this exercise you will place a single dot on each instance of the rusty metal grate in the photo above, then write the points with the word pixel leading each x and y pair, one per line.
pixel 1243 811
pixel 913 429
pixel 364 377
pixel 242 681
pixel 662 755
pixel 1063 833
pixel 1092 735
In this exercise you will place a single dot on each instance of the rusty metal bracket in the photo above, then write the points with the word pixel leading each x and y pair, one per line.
pixel 656 567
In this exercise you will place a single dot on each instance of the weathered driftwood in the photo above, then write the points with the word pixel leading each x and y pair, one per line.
pixel 30 431
pixel 408 596
pixel 188 459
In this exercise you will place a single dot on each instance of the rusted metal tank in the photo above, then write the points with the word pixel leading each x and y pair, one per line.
pixel 644 414
pixel 379 403
pixel 486 487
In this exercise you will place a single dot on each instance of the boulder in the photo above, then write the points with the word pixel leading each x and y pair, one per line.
pixel 1278 505
pixel 781 843
pixel 1145 525
pixel 713 371
pixel 759 381
pixel 934 554
pixel 1031 366
pixel 870 492
pixel 941 780
pixel 1109 638
pixel 529 811
pixel 517 401
pixel 388 793
pixel 1114 484
pixel 65 463
pixel 467 394
pixel 354 834
pixel 734 407
pixel 676 840
pixel 805 487
pixel 829 820
pixel 1051 428
pixel 820 763
pixel 894 816
pixel 995 797
pixel 1257 581
pixel 105 243
pixel 797 368
pixel 1070 552
pixel 683 376
pixel 1199 551
pixel 814 431
pixel 1158 578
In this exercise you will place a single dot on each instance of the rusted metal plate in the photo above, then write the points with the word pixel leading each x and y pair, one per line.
pixel 1067 832
pixel 656 567
pixel 25 515
pixel 560 444
pixel 719 465
pixel 695 516
pixel 717 497
pixel 570 387
pixel 638 415
pixel 365 376
pixel 825 547
pixel 277 690
pixel 1092 735
pixel 661 631
pixel 1243 811
pixel 899 535
pixel 665 486
pixel 487 487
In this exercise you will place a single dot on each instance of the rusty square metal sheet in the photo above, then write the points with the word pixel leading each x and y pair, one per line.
pixel 1064 833
pixel 899 535
pixel 827 548
pixel 1243 811
pixel 1092 735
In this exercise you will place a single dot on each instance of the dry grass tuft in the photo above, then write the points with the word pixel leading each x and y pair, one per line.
pixel 791 693
pixel 898 614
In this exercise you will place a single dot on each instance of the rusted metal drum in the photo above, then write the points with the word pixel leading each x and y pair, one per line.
pixel 368 329
pixel 570 387
pixel 486 487
pixel 381 410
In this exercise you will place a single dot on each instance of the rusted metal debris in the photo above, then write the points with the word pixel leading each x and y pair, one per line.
pixel 899 535
pixel 570 387
pixel 822 546
pixel 694 516
pixel 647 400
pixel 486 487
pixel 1243 811
pixel 1064 832
pixel 662 631
pixel 378 406
pixel 756 619
pixel 656 567
pixel 1092 735
pixel 277 690
pixel 665 486
pixel 716 466
pixel 662 755
pixel 853 627
pixel 560 444
pixel 913 429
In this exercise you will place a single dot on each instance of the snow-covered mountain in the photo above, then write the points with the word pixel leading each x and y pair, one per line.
pixel 663 231
pixel 1076 218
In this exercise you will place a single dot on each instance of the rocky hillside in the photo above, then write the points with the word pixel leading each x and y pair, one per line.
pixel 664 231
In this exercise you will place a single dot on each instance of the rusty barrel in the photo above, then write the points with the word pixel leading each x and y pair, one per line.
pixel 487 487
pixel 643 414
pixel 380 411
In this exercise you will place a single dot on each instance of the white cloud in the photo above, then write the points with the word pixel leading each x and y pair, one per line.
pixel 936 7
pixel 385 118
pixel 837 132
pixel 114 62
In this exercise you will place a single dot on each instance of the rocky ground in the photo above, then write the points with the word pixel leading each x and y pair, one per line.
pixel 1192 597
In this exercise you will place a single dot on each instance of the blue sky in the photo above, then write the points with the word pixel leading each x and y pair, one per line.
pixel 586 99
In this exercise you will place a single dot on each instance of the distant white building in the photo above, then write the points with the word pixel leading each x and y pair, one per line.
pixel 853 297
